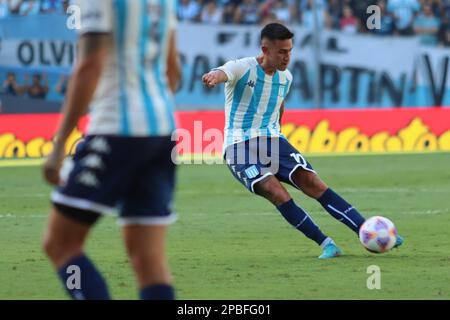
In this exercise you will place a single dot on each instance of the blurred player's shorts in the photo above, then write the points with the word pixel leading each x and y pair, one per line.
pixel 134 176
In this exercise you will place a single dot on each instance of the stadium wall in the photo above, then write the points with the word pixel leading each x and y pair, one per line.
pixel 311 132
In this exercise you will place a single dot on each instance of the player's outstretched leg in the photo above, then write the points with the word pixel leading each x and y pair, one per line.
pixel 346 213
pixel 341 210
pixel 146 249
pixel 272 190
pixel 63 244
pixel 310 183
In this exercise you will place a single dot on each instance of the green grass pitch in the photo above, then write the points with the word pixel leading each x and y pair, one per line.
pixel 230 244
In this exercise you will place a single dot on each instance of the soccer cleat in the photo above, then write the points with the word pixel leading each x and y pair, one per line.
pixel 399 241
pixel 330 251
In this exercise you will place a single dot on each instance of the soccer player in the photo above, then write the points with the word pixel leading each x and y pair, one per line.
pixel 256 152
pixel 127 69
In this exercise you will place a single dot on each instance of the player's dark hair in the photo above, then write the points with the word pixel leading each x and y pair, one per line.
pixel 276 31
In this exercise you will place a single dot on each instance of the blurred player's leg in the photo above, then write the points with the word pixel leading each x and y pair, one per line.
pixel 146 249
pixel 313 186
pixel 272 190
pixel 63 244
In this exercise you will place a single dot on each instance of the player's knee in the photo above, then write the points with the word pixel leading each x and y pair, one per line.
pixel 311 184
pixel 49 246
pixel 58 250
pixel 52 249
pixel 273 192
pixel 280 196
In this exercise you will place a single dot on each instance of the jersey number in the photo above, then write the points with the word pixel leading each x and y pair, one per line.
pixel 298 158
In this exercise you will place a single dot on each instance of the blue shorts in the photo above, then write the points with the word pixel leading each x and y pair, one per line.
pixel 135 176
pixel 254 160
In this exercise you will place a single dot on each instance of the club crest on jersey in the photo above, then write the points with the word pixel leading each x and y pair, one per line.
pixel 252 172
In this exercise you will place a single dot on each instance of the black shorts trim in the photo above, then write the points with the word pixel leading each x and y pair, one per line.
pixel 85 217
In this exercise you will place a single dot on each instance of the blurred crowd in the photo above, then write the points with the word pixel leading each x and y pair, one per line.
pixel 30 7
pixel 35 88
pixel 430 19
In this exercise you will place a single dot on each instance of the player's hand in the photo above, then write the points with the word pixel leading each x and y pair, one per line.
pixel 53 165
pixel 210 79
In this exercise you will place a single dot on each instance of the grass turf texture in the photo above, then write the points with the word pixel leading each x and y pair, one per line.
pixel 230 244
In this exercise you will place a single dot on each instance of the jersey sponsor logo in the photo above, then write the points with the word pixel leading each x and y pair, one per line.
pixel 251 84
pixel 252 172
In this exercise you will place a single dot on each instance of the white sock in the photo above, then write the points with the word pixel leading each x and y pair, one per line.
pixel 326 242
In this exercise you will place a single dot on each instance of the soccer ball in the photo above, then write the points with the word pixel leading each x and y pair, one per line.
pixel 378 234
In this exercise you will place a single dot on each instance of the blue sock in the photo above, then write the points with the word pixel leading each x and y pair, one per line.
pixel 158 292
pixel 297 217
pixel 341 210
pixel 83 281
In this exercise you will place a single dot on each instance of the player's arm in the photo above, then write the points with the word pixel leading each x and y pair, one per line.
pixel 173 63
pixel 281 111
pixel 214 77
pixel 82 86
pixel 229 72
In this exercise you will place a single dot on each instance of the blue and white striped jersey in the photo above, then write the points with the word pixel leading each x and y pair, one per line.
pixel 252 100
pixel 132 98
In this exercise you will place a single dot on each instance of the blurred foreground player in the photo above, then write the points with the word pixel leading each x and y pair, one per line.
pixel 126 72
